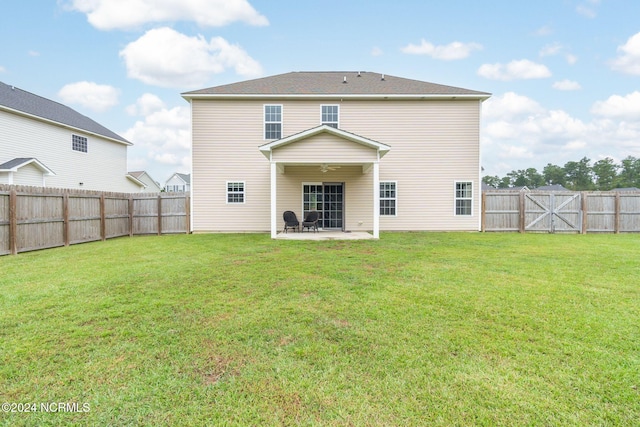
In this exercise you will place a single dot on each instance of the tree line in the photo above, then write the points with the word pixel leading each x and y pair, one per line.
pixel 602 175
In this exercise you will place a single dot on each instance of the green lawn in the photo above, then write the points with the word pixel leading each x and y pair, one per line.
pixel 414 329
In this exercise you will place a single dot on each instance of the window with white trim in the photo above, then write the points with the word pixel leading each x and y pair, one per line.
pixel 330 115
pixel 388 198
pixel 272 121
pixel 79 143
pixel 464 198
pixel 235 192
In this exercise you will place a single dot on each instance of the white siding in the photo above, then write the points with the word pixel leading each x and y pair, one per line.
pixel 433 144
pixel 103 167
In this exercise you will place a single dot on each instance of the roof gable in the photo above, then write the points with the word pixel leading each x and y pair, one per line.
pixel 336 83
pixel 15 164
pixel 379 146
pixel 17 100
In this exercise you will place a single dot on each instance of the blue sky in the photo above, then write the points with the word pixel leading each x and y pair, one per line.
pixel 564 74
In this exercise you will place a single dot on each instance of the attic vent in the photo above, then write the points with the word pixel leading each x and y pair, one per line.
pixel 359 74
pixel 344 80
pixel 382 78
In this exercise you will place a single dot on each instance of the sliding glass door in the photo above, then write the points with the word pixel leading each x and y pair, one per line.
pixel 328 199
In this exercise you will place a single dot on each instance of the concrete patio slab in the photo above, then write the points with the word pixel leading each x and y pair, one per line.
pixel 325 235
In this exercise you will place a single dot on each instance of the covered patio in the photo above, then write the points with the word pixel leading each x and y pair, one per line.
pixel 304 157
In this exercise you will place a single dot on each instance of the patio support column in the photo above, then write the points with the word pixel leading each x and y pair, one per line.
pixel 274 214
pixel 376 200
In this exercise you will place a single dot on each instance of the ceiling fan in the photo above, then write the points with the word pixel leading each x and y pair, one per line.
pixel 326 168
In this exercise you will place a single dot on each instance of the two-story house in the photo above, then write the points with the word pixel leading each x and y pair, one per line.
pixel 45 143
pixel 368 151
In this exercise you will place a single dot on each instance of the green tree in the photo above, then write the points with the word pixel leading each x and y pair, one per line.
pixel 554 174
pixel 629 175
pixel 533 178
pixel 493 181
pixel 605 172
pixel 579 174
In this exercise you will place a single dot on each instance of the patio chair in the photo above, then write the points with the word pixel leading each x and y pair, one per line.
pixel 311 221
pixel 290 221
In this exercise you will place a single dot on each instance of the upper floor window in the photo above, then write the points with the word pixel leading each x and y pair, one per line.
pixel 388 198
pixel 464 198
pixel 235 192
pixel 330 115
pixel 79 143
pixel 272 121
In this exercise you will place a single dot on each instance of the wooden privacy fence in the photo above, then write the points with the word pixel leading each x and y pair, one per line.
pixel 34 218
pixel 561 212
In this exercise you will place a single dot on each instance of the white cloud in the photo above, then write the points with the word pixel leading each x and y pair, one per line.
pixel 163 137
pixel 165 57
pixel 567 85
pixel 145 105
pixel 551 49
pixel 518 133
pixel 619 107
pixel 449 52
pixel 2 69
pixel 544 31
pixel 376 51
pixel 33 53
pixel 571 59
pixel 586 11
pixel 90 95
pixel 510 105
pixel 514 70
pixel 128 14
pixel 628 60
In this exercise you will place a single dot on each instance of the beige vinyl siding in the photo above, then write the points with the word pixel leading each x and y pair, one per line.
pixel 102 167
pixel 28 175
pixel 325 148
pixel 434 143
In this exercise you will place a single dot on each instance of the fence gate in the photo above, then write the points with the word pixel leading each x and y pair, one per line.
pixel 553 212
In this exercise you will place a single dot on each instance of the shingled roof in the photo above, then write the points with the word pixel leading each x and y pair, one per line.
pixel 335 83
pixel 13 98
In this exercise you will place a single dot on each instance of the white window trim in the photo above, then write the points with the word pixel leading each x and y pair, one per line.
pixel 456 198
pixel 330 105
pixel 264 121
pixel 383 198
pixel 244 192
pixel 302 193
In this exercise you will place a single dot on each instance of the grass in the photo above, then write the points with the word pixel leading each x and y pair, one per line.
pixel 414 329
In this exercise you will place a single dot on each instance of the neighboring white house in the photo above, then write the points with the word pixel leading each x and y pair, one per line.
pixel 179 182
pixel 368 151
pixel 150 184
pixel 45 143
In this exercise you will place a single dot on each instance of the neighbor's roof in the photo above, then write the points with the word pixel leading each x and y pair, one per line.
pixel 17 100
pixel 335 83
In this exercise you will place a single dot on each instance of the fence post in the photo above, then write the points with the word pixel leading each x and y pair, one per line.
pixel 616 224
pixel 131 215
pixel 159 215
pixel 522 215
pixel 103 219
pixel 13 222
pixel 187 210
pixel 584 212
pixel 482 213
pixel 65 218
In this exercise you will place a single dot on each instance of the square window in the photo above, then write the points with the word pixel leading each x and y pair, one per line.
pixel 235 192
pixel 79 143
pixel 330 115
